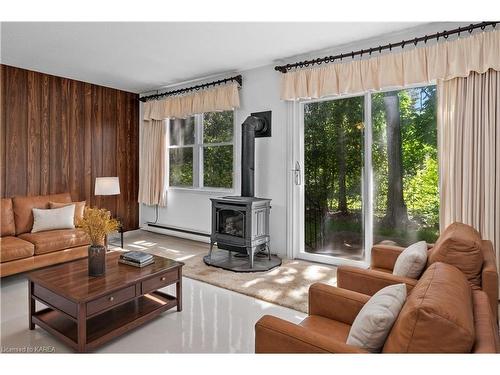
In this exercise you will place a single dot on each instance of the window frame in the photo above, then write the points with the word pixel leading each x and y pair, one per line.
pixel 198 157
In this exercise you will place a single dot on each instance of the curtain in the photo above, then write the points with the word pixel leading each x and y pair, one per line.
pixel 469 153
pixel 220 98
pixel 153 163
pixel 441 61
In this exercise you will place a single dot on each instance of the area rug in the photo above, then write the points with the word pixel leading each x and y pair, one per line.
pixel 286 285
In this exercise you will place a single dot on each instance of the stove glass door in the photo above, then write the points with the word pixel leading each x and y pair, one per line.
pixel 231 222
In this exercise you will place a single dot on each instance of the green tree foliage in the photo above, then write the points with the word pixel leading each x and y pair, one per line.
pixel 218 127
pixel 218 160
pixel 326 159
pixel 181 167
pixel 333 142
pixel 218 166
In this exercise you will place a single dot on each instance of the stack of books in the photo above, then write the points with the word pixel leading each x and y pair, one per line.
pixel 136 258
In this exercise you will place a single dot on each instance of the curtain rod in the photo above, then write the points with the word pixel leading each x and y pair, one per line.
pixel 237 79
pixel 329 59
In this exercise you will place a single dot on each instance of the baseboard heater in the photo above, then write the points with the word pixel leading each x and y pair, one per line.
pixel 178 230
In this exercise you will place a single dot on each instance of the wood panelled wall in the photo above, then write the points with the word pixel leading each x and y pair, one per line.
pixel 59 134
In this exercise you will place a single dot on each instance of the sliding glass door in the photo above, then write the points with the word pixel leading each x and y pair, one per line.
pixel 365 172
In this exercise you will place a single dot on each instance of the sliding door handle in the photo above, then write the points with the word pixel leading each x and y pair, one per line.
pixel 297 173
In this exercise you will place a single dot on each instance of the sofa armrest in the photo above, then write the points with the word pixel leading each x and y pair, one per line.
pixel 385 256
pixel 489 276
pixel 369 281
pixel 275 335
pixel 335 303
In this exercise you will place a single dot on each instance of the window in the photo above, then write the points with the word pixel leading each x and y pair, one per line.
pixel 201 151
pixel 398 162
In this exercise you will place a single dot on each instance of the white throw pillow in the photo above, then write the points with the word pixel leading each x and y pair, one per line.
pixel 56 218
pixel 375 320
pixel 411 262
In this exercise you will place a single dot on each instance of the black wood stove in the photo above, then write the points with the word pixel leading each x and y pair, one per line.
pixel 240 224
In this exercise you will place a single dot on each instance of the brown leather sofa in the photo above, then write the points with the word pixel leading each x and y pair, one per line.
pixel 21 250
pixel 383 259
pixel 442 314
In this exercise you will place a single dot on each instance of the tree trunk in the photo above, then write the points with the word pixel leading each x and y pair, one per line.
pixel 342 204
pixel 396 214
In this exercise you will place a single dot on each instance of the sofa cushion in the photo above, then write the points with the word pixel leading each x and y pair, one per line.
pixel 79 208
pixel 412 261
pixel 52 219
pixel 460 246
pixel 12 248
pixel 7 226
pixel 437 316
pixel 23 207
pixel 54 240
pixel 375 320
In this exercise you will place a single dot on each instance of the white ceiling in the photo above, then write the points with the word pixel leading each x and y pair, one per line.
pixel 139 57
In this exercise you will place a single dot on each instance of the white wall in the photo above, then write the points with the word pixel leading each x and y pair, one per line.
pixel 191 209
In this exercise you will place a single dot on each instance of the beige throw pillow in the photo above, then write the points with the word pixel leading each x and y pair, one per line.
pixel 79 208
pixel 57 218
pixel 375 320
pixel 411 262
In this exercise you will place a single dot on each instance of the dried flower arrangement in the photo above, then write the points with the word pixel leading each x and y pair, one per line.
pixel 97 223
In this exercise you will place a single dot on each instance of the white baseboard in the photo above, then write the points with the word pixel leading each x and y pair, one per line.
pixel 174 233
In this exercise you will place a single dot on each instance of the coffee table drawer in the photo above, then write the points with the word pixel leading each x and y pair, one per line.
pixel 55 300
pixel 158 282
pixel 110 300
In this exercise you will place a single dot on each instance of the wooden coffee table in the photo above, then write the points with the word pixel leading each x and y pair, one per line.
pixel 85 312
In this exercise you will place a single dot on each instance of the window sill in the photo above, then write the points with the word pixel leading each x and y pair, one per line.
pixel 202 190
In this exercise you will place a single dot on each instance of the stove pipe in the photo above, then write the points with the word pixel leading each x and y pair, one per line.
pixel 249 127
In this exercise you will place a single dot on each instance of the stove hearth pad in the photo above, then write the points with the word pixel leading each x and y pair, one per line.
pixel 228 261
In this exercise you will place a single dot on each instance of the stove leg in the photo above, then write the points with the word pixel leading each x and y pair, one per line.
pixel 268 250
pixel 210 251
pixel 251 255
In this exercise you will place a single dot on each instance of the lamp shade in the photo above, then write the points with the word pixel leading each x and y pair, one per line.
pixel 107 186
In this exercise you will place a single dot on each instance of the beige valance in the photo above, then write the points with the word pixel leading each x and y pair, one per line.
pixel 441 61
pixel 220 98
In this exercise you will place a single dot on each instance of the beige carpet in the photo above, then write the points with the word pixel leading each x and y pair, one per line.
pixel 286 285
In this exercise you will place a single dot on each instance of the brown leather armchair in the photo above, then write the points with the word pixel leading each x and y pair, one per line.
pixel 383 258
pixel 331 313
pixel 442 315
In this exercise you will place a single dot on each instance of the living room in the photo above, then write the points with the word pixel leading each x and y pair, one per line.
pixel 266 184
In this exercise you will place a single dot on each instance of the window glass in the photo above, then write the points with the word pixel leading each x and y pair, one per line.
pixel 218 127
pixel 218 166
pixel 181 167
pixel 405 166
pixel 333 175
pixel 181 131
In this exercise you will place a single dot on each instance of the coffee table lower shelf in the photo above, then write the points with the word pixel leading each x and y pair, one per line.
pixel 108 325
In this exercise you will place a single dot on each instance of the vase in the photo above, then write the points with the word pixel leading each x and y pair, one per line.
pixel 97 260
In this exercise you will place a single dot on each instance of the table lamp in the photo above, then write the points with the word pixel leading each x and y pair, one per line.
pixel 107 186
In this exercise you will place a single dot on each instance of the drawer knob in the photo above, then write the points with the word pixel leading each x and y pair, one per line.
pixel 163 278
pixel 111 299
